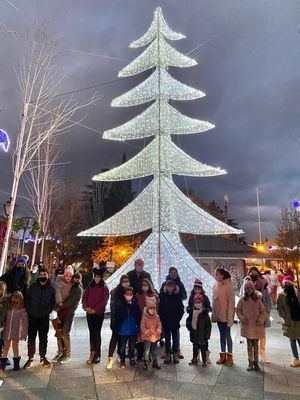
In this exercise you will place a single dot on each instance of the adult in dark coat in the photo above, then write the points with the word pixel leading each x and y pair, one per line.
pixel 171 311
pixel 137 275
pixel 17 279
pixel 116 297
pixel 39 303
pixel 173 275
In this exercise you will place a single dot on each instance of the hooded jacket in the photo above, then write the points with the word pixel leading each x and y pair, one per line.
pixel 178 282
pixel 40 299
pixel 170 309
pixel 252 315
pixel 129 318
pixel 151 327
pixel 223 302
pixel 72 301
pixel 290 328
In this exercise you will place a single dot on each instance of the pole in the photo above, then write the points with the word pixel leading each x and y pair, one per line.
pixel 258 215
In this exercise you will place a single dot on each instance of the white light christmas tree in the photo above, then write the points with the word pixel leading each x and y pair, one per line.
pixel 161 206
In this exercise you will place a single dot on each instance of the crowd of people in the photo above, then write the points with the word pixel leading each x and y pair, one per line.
pixel 140 316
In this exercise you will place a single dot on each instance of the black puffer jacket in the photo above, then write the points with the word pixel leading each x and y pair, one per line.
pixel 13 283
pixel 40 300
pixel 170 309
pixel 178 282
pixel 136 280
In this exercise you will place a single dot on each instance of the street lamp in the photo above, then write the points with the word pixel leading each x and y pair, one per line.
pixel 7 208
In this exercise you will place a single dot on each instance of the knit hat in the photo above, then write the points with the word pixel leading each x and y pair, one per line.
pixel 21 260
pixel 249 285
pixel 289 279
pixel 99 271
pixel 150 302
pixel 198 298
pixel 170 282
pixel 198 282
pixel 69 269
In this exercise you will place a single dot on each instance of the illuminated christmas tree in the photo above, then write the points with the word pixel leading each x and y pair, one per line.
pixel 161 206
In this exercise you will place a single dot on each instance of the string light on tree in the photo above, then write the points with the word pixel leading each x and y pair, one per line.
pixel 161 206
pixel 4 140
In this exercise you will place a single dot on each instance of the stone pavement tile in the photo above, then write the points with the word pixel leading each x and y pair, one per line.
pixel 104 376
pixel 74 373
pixel 187 377
pixel 169 376
pixel 279 396
pixel 125 375
pixel 15 394
pixel 276 379
pixel 141 388
pixel 228 397
pixel 66 381
pixel 223 389
pixel 166 389
pixel 141 374
pixel 75 363
pixel 78 393
pixel 249 379
pixel 205 379
pixel 270 386
pixel 113 391
pixel 294 380
pixel 190 391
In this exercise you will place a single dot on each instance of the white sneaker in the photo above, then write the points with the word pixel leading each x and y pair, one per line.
pixel 110 363
pixel 295 363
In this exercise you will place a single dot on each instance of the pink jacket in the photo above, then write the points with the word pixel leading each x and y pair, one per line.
pixel 252 315
pixel 223 302
pixel 16 325
pixel 150 327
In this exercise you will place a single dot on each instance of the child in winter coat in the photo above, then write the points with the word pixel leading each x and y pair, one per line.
pixel 289 309
pixel 171 311
pixel 199 325
pixel 130 317
pixel 3 311
pixel 16 328
pixel 150 332
pixel 252 314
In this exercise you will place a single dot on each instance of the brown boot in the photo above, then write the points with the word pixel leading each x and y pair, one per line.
pixel 222 359
pixel 91 358
pixel 229 360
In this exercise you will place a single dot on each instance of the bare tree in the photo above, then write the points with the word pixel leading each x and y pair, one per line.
pixel 43 114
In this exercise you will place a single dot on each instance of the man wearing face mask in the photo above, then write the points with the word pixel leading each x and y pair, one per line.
pixel 137 275
pixel 39 303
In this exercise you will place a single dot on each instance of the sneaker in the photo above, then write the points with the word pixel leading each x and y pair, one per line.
pixel 28 363
pixel 57 358
pixel 44 362
pixel 110 363
pixel 64 359
pixel 122 364
pixel 295 363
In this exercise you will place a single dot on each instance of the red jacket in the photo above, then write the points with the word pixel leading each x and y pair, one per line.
pixel 96 297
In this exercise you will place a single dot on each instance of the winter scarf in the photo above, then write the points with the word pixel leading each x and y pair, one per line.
pixel 196 314
pixel 293 302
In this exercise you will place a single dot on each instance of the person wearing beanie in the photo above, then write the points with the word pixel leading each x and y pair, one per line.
pixel 223 310
pixel 251 313
pixel 130 319
pixel 170 311
pixel 94 301
pixel 199 325
pixel 198 289
pixel 289 310
pixel 261 285
pixel 18 278
pixel 116 297
pixel 39 303
pixel 151 329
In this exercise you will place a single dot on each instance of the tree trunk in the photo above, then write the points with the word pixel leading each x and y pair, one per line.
pixel 42 248
pixel 34 249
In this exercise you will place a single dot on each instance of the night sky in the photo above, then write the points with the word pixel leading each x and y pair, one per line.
pixel 249 68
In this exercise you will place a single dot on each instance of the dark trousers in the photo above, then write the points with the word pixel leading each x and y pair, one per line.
pixel 225 337
pixel 40 327
pixel 63 338
pixel 174 333
pixel 202 348
pixel 131 343
pixel 140 350
pixel 95 322
pixel 114 342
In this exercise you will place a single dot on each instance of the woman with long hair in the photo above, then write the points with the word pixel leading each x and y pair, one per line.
pixel 223 310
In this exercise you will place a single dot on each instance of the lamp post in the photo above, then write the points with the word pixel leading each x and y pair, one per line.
pixel 26 223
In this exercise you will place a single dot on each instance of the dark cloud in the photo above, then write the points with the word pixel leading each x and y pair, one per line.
pixel 249 71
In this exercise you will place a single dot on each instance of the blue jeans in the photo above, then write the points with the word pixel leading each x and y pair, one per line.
pixel 225 337
pixel 150 347
pixel 131 343
pixel 293 343
pixel 174 333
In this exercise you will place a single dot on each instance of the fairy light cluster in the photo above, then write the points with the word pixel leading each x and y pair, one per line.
pixel 161 206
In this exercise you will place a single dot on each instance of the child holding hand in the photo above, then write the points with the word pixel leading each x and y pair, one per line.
pixel 150 332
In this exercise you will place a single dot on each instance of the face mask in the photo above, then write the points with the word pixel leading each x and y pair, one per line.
pixel 43 279
pixel 173 275
pixel 125 284
pixel 139 268
pixel 249 292
pixel 145 288
pixel 254 278
pixel 128 298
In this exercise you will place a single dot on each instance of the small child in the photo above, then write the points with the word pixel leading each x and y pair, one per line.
pixel 150 332
pixel 3 311
pixel 16 328
pixel 252 314
pixel 129 314
pixel 171 311
pixel 199 325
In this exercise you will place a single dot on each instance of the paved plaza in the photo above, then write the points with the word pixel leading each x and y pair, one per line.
pixel 77 380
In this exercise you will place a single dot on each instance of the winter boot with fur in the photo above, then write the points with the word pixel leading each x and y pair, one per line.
pixel 222 359
pixel 91 357
pixel 17 363
pixel 194 361
pixel 229 360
